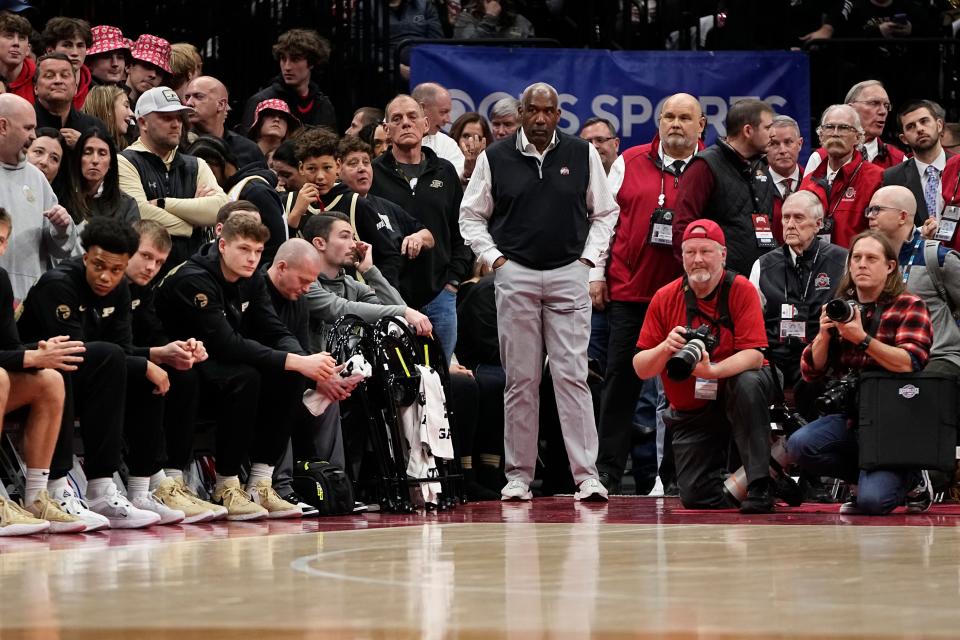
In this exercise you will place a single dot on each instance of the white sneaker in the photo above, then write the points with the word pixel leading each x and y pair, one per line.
pixel 121 514
pixel 591 490
pixel 149 502
pixel 74 506
pixel 516 490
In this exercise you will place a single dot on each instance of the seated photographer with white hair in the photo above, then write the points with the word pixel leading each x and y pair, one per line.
pixel 873 324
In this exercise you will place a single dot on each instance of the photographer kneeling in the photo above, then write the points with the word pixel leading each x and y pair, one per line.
pixel 874 324
pixel 703 333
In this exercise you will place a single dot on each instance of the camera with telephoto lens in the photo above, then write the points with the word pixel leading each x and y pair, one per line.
pixel 681 364
pixel 840 310
pixel 840 396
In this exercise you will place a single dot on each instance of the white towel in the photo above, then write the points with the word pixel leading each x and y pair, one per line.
pixel 355 369
pixel 427 432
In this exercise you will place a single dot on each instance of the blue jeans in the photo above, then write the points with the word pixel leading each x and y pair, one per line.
pixel 827 447
pixel 442 312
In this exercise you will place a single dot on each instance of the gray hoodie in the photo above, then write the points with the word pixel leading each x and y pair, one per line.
pixel 332 298
pixel 34 241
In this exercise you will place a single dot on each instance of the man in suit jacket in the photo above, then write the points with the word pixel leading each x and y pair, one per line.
pixel 783 151
pixel 921 125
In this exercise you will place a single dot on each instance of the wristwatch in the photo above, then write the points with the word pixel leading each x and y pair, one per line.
pixel 867 339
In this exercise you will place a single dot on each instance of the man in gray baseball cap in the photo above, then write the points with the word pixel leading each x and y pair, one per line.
pixel 178 191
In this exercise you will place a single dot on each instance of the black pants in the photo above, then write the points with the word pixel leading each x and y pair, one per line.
pixel 95 395
pixel 491 380
pixel 465 403
pixel 701 438
pixel 621 388
pixel 143 422
pixel 254 411
pixel 180 417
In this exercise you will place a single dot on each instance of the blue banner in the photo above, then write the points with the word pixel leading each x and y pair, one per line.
pixel 626 87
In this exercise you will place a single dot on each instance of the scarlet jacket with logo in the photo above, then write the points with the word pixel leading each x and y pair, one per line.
pixel 848 196
pixel 950 188
pixel 637 269
pixel 887 155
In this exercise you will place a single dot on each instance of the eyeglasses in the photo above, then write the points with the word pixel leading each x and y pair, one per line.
pixel 599 139
pixel 874 210
pixel 836 128
pixel 875 104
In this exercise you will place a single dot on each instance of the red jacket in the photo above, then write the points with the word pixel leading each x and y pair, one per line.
pixel 84 82
pixel 23 84
pixel 950 188
pixel 777 224
pixel 637 269
pixel 849 195
pixel 887 155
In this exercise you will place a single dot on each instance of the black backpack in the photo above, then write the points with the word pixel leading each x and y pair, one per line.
pixel 324 486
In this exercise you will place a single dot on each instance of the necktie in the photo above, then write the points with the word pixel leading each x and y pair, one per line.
pixel 677 166
pixel 787 186
pixel 931 186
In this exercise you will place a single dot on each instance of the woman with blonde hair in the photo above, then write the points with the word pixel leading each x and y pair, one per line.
pixel 111 104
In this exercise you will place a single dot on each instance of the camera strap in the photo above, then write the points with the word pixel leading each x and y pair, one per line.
pixel 723 318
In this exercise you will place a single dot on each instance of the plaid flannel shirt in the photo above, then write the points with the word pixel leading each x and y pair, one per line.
pixel 904 324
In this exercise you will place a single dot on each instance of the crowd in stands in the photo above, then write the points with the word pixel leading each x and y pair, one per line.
pixel 160 269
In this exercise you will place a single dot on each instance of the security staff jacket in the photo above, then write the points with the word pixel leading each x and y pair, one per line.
pixel 235 320
pixel 63 304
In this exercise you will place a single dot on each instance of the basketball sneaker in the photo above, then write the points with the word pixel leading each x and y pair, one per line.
pixel 17 521
pixel 169 493
pixel 591 490
pixel 219 511
pixel 264 495
pixel 238 504
pixel 70 504
pixel 121 514
pixel 45 508
pixel 516 490
pixel 149 502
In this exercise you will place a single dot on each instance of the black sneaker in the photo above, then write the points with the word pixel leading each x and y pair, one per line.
pixel 308 510
pixel 920 497
pixel 611 484
pixel 787 490
pixel 759 497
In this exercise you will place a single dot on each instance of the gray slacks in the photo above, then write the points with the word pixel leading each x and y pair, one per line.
pixel 551 309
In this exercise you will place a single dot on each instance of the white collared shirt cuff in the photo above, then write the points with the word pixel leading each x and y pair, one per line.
pixel 490 256
pixel 597 274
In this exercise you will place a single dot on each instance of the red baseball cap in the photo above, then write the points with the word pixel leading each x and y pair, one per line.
pixel 704 228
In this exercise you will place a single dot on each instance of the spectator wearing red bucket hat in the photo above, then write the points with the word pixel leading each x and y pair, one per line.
pixel 151 64
pixel 108 56
pixel 210 102
pixel 16 67
pixel 272 124
pixel 71 37
pixel 301 53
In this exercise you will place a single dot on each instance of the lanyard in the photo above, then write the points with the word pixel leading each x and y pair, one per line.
pixel 913 257
pixel 806 287
pixel 844 189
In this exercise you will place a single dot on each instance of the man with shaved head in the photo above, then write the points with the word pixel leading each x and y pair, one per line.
pixel 847 180
pixel 44 229
pixel 538 210
pixel 210 102
pixel 295 267
pixel 437 105
pixel 891 212
pixel 645 181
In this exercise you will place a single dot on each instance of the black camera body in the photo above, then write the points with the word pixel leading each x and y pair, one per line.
pixel 842 310
pixel 841 396
pixel 681 364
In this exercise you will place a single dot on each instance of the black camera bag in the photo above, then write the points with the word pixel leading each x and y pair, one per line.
pixel 908 421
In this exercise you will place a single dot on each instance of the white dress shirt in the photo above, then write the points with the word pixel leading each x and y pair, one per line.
pixel 615 177
pixel 939 163
pixel 779 180
pixel 477 206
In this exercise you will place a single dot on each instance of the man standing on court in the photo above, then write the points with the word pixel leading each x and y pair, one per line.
pixel 539 211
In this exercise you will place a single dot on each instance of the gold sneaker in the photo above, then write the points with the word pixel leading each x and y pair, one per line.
pixel 44 508
pixel 238 504
pixel 219 512
pixel 263 494
pixel 170 494
pixel 16 521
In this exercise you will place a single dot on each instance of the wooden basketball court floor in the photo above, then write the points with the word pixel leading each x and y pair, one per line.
pixel 634 568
